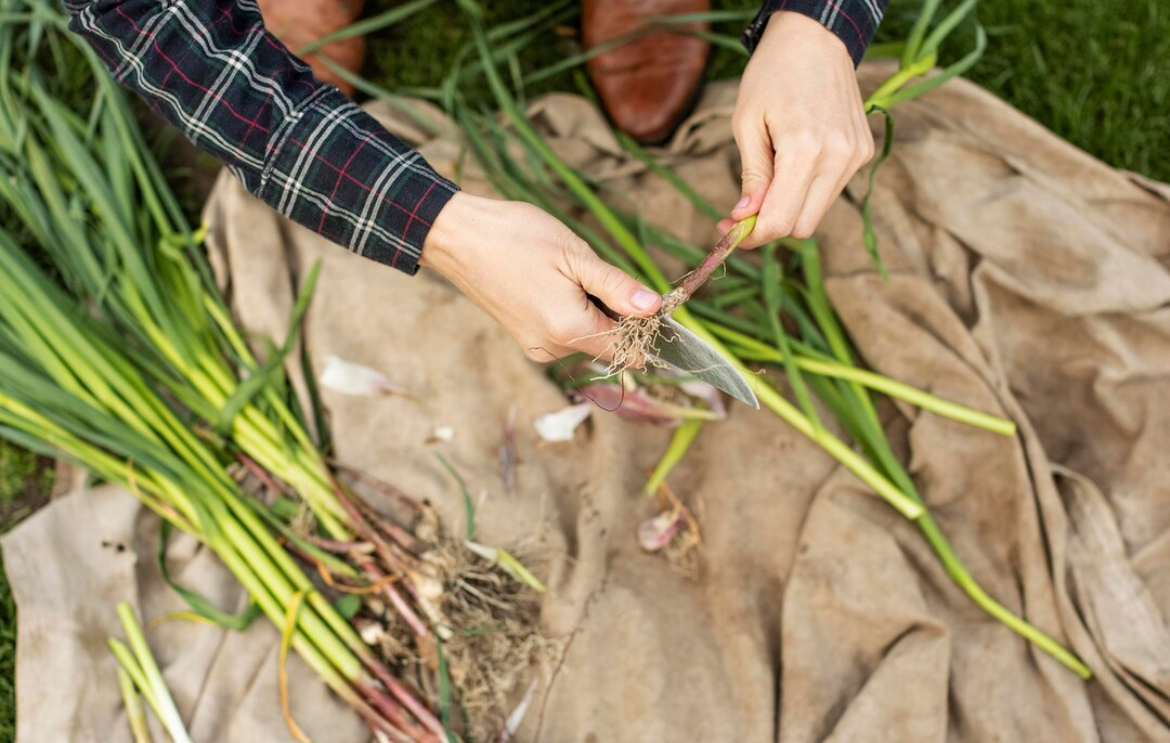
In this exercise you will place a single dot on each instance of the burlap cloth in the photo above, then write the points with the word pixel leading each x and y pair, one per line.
pixel 1027 279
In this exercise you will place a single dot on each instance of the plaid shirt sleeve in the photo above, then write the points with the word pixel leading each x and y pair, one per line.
pixel 302 146
pixel 854 21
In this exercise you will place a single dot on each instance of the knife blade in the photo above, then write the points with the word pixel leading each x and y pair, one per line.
pixel 681 348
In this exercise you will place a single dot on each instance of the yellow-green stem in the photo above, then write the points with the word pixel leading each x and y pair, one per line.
pixel 962 577
pixel 682 439
pixel 748 347
pixel 877 99
pixel 778 404
pixel 135 714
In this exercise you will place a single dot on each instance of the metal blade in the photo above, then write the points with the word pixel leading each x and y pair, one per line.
pixel 692 355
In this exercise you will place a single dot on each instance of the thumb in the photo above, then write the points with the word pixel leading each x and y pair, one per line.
pixel 618 290
pixel 756 157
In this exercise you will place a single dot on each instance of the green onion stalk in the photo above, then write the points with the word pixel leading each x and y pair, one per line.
pixel 69 390
pixel 138 673
pixel 90 198
pixel 819 358
pixel 135 712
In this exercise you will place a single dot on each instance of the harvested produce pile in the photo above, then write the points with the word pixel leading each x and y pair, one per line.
pixel 125 360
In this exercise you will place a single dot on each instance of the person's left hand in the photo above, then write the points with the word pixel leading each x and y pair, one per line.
pixel 800 127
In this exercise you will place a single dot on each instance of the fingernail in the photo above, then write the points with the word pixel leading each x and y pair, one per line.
pixel 644 299
pixel 743 202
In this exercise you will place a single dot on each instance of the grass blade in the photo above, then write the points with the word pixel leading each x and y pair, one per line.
pixel 383 20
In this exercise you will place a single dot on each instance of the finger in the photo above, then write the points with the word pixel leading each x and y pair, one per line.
pixel 756 157
pixel 593 335
pixel 822 193
pixel 842 157
pixel 861 158
pixel 786 196
pixel 618 290
pixel 600 348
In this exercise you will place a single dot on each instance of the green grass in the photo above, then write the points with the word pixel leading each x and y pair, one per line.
pixel 21 476
pixel 1096 72
pixel 19 470
pixel 7 659
pixel 25 482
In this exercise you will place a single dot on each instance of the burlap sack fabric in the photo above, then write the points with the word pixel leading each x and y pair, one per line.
pixel 1027 279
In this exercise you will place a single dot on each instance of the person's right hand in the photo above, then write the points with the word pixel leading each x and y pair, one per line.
pixel 800 126
pixel 531 273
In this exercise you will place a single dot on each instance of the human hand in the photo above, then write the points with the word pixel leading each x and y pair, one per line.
pixel 531 273
pixel 800 127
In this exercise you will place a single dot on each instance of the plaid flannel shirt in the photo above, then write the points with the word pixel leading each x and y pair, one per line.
pixel 854 21
pixel 298 144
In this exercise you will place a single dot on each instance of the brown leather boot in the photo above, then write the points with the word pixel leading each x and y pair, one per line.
pixel 650 83
pixel 297 22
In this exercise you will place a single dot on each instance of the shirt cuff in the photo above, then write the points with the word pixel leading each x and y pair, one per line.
pixel 853 21
pixel 338 172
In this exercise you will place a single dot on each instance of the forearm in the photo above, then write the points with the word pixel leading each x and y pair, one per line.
pixel 853 21
pixel 301 146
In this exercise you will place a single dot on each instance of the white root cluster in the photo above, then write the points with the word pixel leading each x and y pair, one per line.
pixel 635 338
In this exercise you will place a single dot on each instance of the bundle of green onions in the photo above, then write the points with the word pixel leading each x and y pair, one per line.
pixel 752 317
pixel 68 390
pixel 122 356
